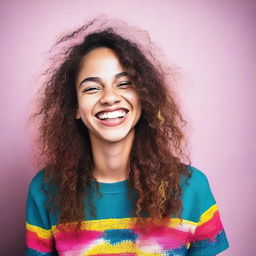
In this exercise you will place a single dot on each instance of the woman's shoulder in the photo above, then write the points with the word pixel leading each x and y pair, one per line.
pixel 197 196
pixel 38 177
pixel 37 182
pixel 197 178
pixel 196 187
pixel 196 173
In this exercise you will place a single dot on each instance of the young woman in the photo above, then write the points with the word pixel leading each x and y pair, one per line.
pixel 111 142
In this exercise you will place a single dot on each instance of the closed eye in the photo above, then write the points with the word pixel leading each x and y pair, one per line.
pixel 124 84
pixel 90 89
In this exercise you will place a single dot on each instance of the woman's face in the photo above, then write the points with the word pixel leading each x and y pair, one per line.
pixel 108 104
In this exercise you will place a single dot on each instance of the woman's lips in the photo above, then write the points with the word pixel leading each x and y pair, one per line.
pixel 112 121
pixel 112 110
pixel 119 113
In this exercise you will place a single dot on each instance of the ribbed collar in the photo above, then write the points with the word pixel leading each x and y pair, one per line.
pixel 116 187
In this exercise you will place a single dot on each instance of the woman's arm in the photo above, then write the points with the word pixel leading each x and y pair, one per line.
pixel 209 237
pixel 39 236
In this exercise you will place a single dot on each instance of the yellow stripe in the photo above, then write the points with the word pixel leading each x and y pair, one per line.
pixel 42 233
pixel 125 246
pixel 104 224
pixel 126 223
pixel 122 247
pixel 208 214
pixel 176 221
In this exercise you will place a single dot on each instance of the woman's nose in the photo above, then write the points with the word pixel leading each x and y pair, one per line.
pixel 109 97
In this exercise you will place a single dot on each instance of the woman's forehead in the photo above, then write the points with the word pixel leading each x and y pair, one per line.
pixel 101 62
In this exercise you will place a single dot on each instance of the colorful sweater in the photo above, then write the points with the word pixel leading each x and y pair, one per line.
pixel 112 232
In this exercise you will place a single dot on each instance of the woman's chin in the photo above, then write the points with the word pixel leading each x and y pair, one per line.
pixel 113 136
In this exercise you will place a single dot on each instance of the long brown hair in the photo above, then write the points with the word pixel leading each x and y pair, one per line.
pixel 157 153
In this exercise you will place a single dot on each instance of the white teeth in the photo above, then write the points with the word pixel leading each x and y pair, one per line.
pixel 113 114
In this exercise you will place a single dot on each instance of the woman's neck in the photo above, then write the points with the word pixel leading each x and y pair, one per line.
pixel 111 160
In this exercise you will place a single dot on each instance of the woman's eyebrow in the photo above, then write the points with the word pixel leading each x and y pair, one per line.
pixel 122 74
pixel 92 79
pixel 98 80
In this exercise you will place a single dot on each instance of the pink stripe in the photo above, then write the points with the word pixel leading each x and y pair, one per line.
pixel 165 237
pixel 209 229
pixel 119 254
pixel 37 243
pixel 76 239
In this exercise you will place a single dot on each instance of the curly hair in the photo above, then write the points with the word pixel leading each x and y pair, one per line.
pixel 155 161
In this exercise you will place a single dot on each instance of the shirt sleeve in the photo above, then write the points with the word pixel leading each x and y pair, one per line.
pixel 209 238
pixel 39 236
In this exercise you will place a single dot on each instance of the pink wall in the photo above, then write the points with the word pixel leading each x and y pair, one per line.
pixel 214 44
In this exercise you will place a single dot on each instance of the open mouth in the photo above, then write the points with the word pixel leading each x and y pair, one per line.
pixel 104 115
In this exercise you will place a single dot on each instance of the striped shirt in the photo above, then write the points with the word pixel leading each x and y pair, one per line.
pixel 199 231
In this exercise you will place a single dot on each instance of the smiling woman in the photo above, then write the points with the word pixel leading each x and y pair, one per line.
pixel 106 97
pixel 115 180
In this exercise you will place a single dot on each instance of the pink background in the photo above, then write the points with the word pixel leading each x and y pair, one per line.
pixel 214 44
